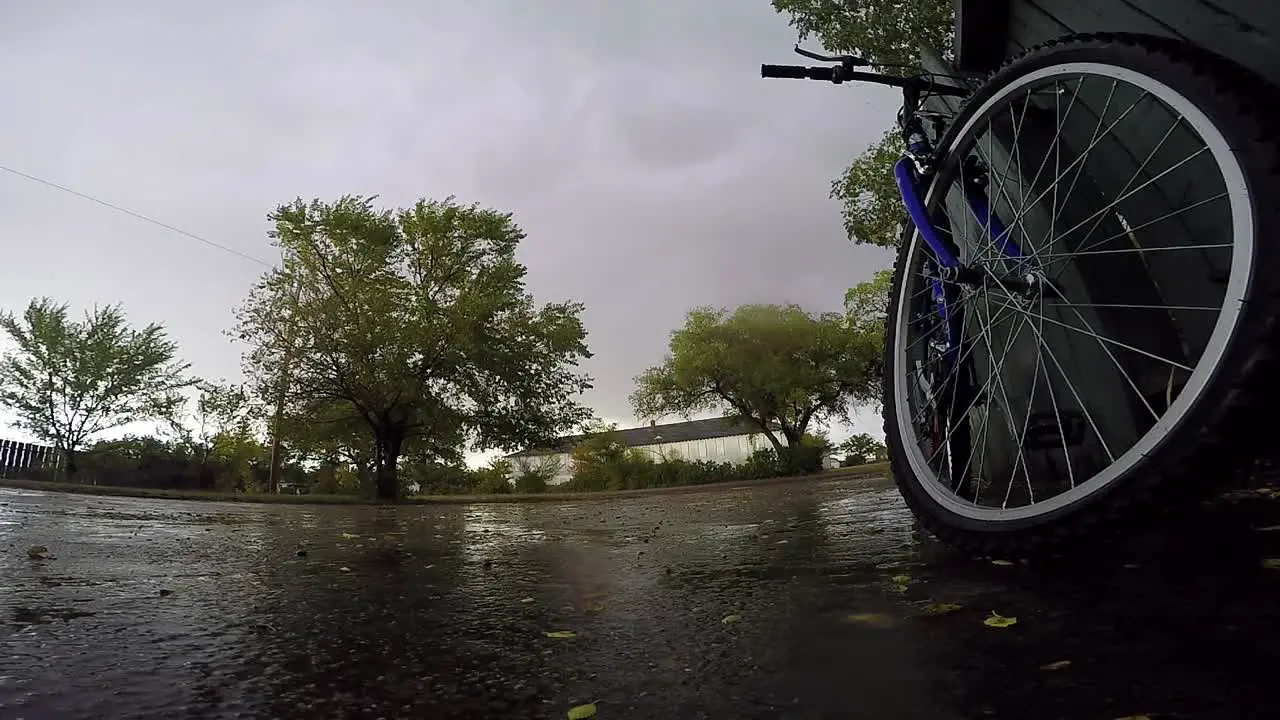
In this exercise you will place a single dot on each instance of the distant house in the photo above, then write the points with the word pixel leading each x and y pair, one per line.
pixel 717 440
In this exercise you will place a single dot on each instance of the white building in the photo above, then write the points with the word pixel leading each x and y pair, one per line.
pixel 719 440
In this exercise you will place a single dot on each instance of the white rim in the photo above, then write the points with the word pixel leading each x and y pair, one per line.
pixel 1236 291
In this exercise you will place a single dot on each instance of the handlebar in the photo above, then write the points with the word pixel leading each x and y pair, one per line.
pixel 844 72
pixel 839 74
pixel 797 72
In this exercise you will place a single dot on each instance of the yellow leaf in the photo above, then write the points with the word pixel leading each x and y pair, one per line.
pixel 1003 563
pixel 935 609
pixel 348 536
pixel 582 712
pixel 562 634
pixel 731 619
pixel 996 620
pixel 1271 563
pixel 1058 665
pixel 901 579
pixel 872 619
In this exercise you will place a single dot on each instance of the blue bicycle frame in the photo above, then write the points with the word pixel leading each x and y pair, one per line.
pixel 909 172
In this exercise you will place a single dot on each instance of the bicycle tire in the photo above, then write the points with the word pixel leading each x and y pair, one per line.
pixel 1217 436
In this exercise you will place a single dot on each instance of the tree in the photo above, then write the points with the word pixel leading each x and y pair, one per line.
pixel 883 32
pixel 866 305
pixel 416 323
pixel 861 447
pixel 870 206
pixel 223 413
pixel 886 32
pixel 68 381
pixel 775 366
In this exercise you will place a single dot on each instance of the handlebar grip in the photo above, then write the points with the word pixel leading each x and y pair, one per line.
pixel 798 72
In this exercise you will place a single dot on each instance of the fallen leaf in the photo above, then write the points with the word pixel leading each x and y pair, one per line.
pixel 731 619
pixel 526 600
pixel 935 609
pixel 901 579
pixel 349 536
pixel 37 552
pixel 1002 563
pixel 344 569
pixel 1135 717
pixel 1056 665
pixel 1271 563
pixel 872 619
pixel 562 634
pixel 996 620
pixel 582 712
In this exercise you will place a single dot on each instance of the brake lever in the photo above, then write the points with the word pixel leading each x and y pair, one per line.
pixel 845 60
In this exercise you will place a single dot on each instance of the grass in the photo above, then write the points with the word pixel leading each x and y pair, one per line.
pixel 870 470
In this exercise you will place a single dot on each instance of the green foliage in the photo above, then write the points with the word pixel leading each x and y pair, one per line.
pixel 632 469
pixel 494 479
pixel 68 381
pixel 222 418
pixel 866 308
pixel 870 205
pixel 861 448
pixel 882 31
pixel 416 324
pixel 534 474
pixel 156 463
pixel 776 366
pixel 436 478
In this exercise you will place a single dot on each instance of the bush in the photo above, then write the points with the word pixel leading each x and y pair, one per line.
pixel 530 481
pixel 533 476
pixel 495 479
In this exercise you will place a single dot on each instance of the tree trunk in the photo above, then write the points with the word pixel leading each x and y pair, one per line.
pixel 70 465
pixel 774 441
pixel 388 466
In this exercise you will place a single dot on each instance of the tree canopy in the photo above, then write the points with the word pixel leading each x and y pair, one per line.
pixel 776 366
pixel 70 380
pixel 416 323
pixel 886 32
pixel 882 31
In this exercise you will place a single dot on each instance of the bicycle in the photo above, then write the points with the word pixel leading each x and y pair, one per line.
pixel 1017 417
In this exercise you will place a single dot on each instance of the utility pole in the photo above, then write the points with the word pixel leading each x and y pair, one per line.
pixel 282 392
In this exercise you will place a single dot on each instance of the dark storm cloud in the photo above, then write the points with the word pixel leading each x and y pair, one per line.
pixel 651 167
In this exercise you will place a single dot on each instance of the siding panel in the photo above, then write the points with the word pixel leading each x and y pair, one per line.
pixel 1246 31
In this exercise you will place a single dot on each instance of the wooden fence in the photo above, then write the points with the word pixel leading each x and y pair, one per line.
pixel 19 458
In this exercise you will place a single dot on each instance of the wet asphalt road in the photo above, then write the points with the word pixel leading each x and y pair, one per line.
pixel 163 609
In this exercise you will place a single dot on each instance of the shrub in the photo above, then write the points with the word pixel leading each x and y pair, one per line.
pixel 533 476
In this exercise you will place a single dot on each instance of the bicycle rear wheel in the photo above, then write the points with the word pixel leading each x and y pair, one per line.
pixel 1120 350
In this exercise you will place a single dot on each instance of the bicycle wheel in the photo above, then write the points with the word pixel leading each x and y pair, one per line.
pixel 1118 346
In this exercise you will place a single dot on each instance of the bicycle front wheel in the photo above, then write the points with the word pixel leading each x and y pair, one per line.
pixel 1106 352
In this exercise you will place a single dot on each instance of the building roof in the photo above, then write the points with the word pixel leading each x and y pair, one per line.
pixel 656 435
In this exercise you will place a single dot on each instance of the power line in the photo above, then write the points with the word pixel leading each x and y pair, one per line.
pixel 137 215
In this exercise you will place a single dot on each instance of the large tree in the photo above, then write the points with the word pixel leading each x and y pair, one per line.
pixel 417 324
pixel 71 380
pixel 883 31
pixel 776 366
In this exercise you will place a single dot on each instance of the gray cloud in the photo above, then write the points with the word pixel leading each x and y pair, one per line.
pixel 651 167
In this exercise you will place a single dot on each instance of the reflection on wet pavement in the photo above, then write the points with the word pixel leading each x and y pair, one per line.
pixel 146 608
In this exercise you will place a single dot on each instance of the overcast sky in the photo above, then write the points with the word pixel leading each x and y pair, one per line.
pixel 651 167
